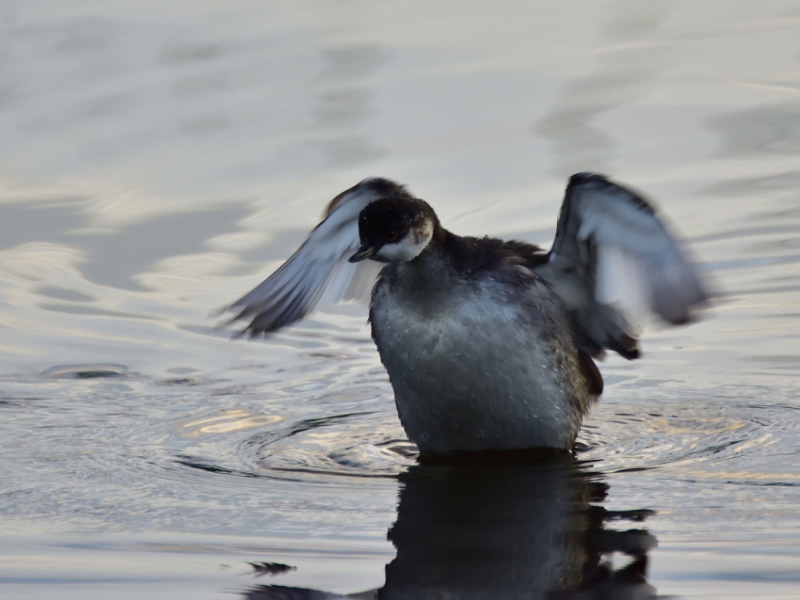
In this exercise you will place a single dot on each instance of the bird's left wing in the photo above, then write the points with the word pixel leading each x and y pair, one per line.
pixel 318 273
pixel 613 261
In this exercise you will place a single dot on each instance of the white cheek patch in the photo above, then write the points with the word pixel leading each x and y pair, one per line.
pixel 409 247
pixel 402 251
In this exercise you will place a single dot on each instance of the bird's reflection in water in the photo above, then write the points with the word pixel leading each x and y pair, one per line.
pixel 504 526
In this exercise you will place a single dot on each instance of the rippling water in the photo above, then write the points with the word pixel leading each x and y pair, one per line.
pixel 159 159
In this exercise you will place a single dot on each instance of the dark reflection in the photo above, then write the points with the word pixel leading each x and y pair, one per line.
pixel 265 568
pixel 505 526
pixel 86 371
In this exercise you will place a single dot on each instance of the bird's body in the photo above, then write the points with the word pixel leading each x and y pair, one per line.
pixel 488 344
pixel 478 350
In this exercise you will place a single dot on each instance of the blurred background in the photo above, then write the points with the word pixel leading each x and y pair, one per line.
pixel 159 159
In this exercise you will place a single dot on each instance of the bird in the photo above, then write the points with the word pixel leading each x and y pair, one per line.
pixel 489 345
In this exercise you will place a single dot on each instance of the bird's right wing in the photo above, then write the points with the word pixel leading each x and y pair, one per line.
pixel 318 273
pixel 613 261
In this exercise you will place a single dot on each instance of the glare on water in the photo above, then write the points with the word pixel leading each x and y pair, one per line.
pixel 157 160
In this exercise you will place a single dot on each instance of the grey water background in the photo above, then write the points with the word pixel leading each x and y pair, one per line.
pixel 158 159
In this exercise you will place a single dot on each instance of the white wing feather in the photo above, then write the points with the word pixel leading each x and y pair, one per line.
pixel 613 261
pixel 318 273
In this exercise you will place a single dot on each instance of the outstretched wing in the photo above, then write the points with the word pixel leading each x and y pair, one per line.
pixel 318 273
pixel 612 262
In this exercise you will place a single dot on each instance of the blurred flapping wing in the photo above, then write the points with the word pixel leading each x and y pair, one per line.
pixel 318 273
pixel 612 262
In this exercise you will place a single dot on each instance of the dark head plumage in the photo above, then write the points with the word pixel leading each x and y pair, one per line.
pixel 395 229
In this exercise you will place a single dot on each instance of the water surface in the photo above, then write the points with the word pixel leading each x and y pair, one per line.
pixel 157 160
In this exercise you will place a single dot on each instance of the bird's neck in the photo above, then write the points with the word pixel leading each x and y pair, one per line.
pixel 434 267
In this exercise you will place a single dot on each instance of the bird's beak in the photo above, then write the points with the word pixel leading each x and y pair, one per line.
pixel 365 251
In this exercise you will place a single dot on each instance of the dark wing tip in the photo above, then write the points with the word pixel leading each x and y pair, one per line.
pixel 590 372
pixel 265 317
pixel 583 178
pixel 586 177
pixel 602 182
pixel 685 301
pixel 379 185
pixel 249 331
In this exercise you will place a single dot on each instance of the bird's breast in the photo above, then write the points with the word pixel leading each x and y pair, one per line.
pixel 472 371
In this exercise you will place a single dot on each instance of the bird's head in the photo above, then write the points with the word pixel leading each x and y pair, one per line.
pixel 395 229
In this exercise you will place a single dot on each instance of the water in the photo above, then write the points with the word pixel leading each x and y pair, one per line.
pixel 158 160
